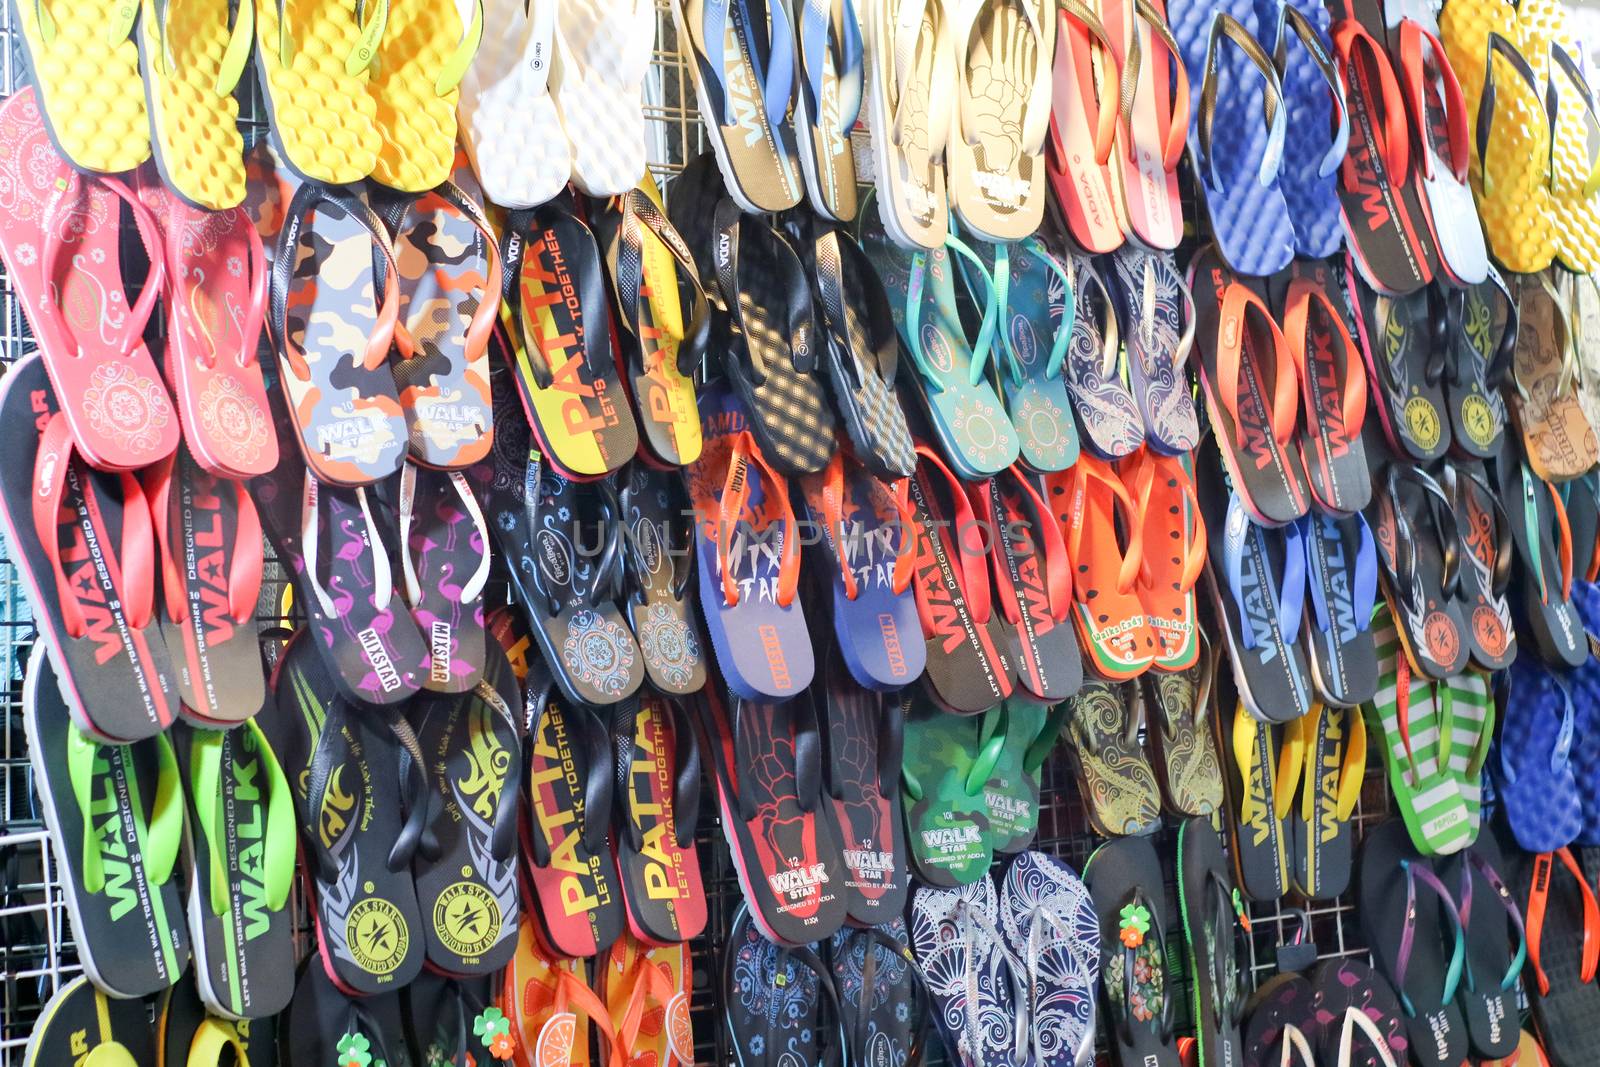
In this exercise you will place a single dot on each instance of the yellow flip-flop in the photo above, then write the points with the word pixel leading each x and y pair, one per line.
pixel 313 59
pixel 1553 53
pixel 1511 157
pixel 422 56
pixel 80 1024
pixel 193 55
pixel 85 65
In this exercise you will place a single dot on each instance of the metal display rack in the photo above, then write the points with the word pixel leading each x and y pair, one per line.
pixel 36 951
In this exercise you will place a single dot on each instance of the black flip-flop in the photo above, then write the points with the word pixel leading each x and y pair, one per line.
pixel 1564 949
pixel 1212 912
pixel 1419 544
pixel 1136 919
pixel 1412 922
pixel 187 1035
pixel 1364 1026
pixel 1483 338
pixel 1492 923
pixel 80 1022
pixel 1407 349
pixel 780 1003
pixel 1543 573
pixel 876 977
pixel 658 562
pixel 1486 559
pixel 1342 571
pixel 324 1024
pixel 1258 800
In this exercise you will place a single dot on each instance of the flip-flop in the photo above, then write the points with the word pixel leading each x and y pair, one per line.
pixel 1585 683
pixel 1413 718
pixel 776 999
pixel 1087 101
pixel 863 736
pixel 1491 922
pixel 467 866
pixel 1237 163
pixel 558 333
pixel 418 58
pixel 241 844
pixel 664 328
pixel 1405 342
pixel 188 1035
pixel 1049 920
pixel 569 782
pixel 1114 777
pixel 876 977
pixel 1557 439
pixel 1483 337
pixel 79 1021
pixel 1182 742
pixel 1333 743
pixel 1485 571
pixel 768 776
pixel 1155 317
pixel 647 990
pixel 1089 501
pixel 1248 374
pixel 115 817
pixel 867 548
pixel 584 637
pixel 504 101
pixel 209 537
pixel 314 65
pixel 362 810
pixel 61 244
pixel 331 314
pixel 82 543
pixel 1032 584
pixel 1563 924
pixel 1212 912
pixel 1280 1027
pixel 910 98
pixel 1136 918
pixel 968 667
pixel 1384 218
pixel 658 563
pixel 1420 547
pixel 216 300
pixel 1262 770
pixel 1310 302
pixel 1257 578
pixel 744 94
pixel 658 799
pixel 1440 145
pixel 1174 554
pixel 452 1019
pixel 1534 780
pixel 975 982
pixel 966 414
pixel 945 767
pixel 448 261
pixel 603 51
pixel 1542 575
pixel 1317 133
pixel 1580 306
pixel 860 348
pixel 1001 114
pixel 444 567
pixel 1551 45
pixel 1414 925
pixel 325 1024
pixel 748 546
pixel 551 1007
pixel 1102 392
pixel 1150 137
pixel 1342 572
pixel 1011 793
pixel 1359 1016
pixel 827 100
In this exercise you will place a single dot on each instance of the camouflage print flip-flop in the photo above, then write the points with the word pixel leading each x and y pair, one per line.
pixel 944 771
pixel 332 330
pixel 449 265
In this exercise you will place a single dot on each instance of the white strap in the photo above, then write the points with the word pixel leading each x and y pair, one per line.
pixel 909 48
pixel 472 588
pixel 1293 1041
pixel 1355 1017
pixel 310 542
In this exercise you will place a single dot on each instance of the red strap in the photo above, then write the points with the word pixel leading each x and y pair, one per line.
pixel 1145 469
pixel 1296 321
pixel 1538 900
pixel 1093 469
pixel 159 478
pixel 1564 549
pixel 1079 32
pixel 833 515
pixel 1395 146
pixel 1233 328
pixel 974 570
pixel 1178 117
pixel 1414 70
pixel 735 495
pixel 49 487
pixel 244 576
pixel 1057 570
pixel 483 320
pixel 905 559
pixel 244 571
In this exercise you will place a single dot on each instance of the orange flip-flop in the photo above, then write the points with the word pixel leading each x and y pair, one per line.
pixel 1110 617
pixel 646 990
pixel 550 1006
pixel 1174 554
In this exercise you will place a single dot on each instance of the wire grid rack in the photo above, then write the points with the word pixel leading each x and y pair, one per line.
pixel 36 951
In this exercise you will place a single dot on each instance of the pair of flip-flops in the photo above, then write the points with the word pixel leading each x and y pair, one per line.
pixel 371 791
pixel 1344 1012
pixel 971 942
pixel 857 995
pixel 1443 932
pixel 1545 549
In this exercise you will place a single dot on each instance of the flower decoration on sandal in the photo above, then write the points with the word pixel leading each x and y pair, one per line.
pixel 354 1051
pixel 1135 924
pixel 494 1030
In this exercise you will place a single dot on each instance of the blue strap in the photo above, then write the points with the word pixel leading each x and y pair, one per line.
pixel 1235 530
pixel 1069 307
pixel 914 287
pixel 1561 753
pixel 1364 579
pixel 816 20
pixel 1292 593
pixel 714 28
pixel 980 348
pixel 778 83
pixel 1366 587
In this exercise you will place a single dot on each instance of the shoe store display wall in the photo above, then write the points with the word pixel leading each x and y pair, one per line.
pixel 999 533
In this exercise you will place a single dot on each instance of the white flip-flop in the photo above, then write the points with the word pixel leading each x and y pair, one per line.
pixel 603 50
pixel 911 94
pixel 505 107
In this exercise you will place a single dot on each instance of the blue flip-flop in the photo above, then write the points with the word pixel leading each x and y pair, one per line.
pixel 1049 919
pixel 1155 315
pixel 1112 425
pixel 1313 92
pixel 1237 160
pixel 1586 723
pixel 975 981
pixel 1537 789
pixel 1342 569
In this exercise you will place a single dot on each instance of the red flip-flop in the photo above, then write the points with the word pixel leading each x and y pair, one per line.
pixel 1174 553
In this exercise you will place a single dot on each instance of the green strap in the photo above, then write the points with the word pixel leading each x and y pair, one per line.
pixel 1000 285
pixel 160 838
pixel 366 49
pixel 205 781
pixel 1530 520
pixel 914 288
pixel 82 753
pixel 455 67
pixel 989 753
pixel 279 841
pixel 237 54
pixel 991 310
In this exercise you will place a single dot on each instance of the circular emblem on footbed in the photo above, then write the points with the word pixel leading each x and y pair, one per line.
pixel 1443 640
pixel 669 645
pixel 1422 420
pixel 596 652
pixel 1024 342
pixel 466 917
pixel 234 423
pixel 1477 420
pixel 938 350
pixel 1489 632
pixel 128 408
pixel 377 935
